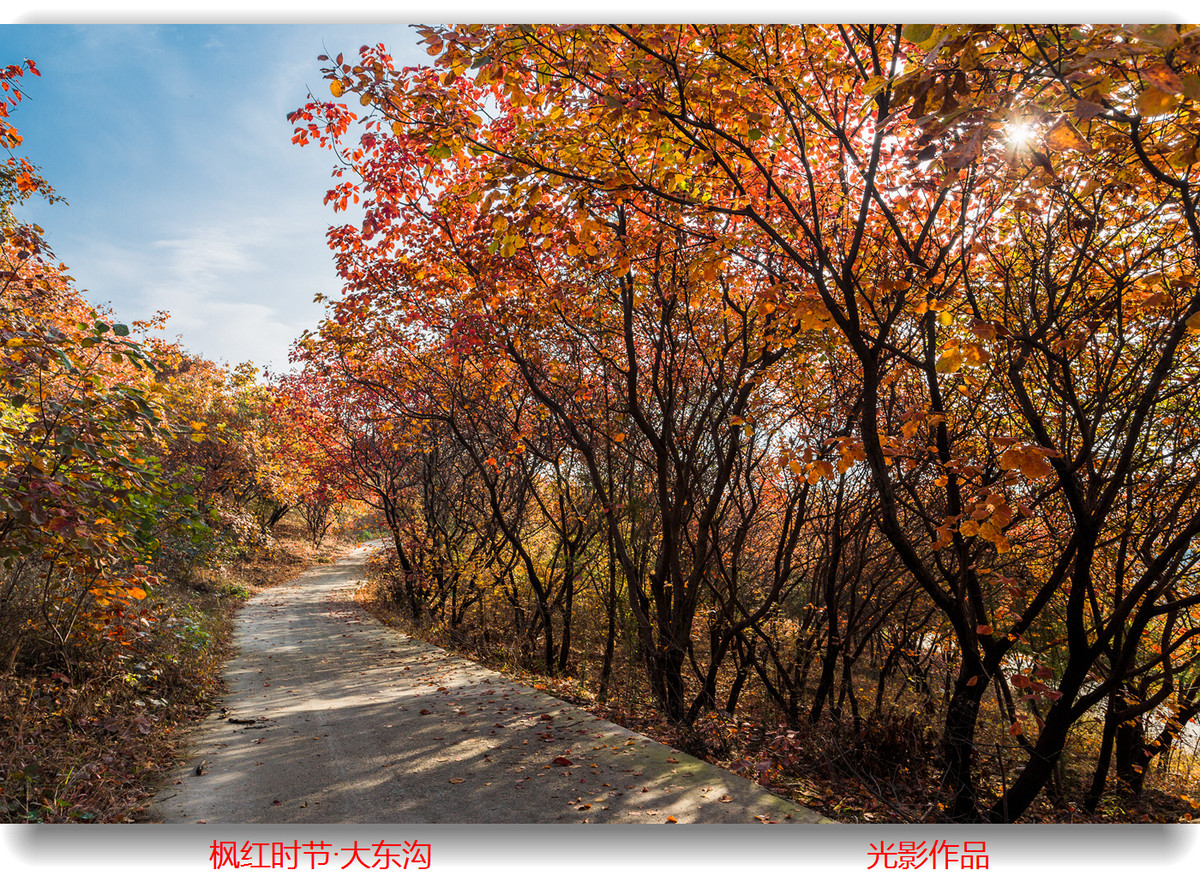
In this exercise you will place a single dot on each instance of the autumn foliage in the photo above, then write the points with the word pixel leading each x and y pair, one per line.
pixel 131 473
pixel 842 369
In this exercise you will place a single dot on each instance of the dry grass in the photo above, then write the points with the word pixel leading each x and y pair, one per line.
pixel 93 746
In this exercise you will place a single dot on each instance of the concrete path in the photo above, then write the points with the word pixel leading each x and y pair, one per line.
pixel 332 717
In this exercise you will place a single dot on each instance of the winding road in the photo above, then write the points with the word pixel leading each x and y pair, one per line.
pixel 332 717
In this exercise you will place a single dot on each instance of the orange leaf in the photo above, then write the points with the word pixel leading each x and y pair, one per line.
pixel 1163 77
pixel 1064 137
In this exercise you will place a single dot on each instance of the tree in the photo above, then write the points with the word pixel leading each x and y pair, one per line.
pixel 673 221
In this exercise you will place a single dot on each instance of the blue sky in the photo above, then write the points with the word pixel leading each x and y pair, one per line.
pixel 171 146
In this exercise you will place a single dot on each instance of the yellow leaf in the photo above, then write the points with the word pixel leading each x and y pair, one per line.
pixel 1154 101
pixel 336 88
pixel 989 532
pixel 950 361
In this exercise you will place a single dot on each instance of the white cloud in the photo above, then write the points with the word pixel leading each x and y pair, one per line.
pixel 205 256
pixel 186 193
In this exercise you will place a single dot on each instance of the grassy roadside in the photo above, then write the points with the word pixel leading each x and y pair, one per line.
pixel 92 746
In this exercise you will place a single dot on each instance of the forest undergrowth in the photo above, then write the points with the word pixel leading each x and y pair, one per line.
pixel 91 741
pixel 878 768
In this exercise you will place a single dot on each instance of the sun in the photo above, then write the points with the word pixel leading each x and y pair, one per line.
pixel 1019 133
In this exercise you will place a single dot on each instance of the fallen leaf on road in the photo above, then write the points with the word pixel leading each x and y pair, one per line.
pixel 673 760
pixel 424 712
pixel 584 807
pixel 458 780
pixel 672 820
pixel 563 760
pixel 725 798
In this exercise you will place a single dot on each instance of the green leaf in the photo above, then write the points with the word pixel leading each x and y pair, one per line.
pixel 1191 87
pixel 1161 35
pixel 917 33
pixel 120 329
